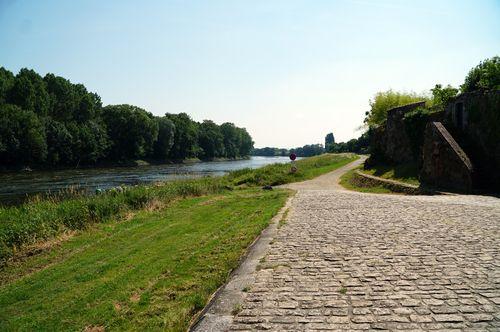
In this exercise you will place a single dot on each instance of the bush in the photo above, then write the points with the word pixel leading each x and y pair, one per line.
pixel 384 101
pixel 485 76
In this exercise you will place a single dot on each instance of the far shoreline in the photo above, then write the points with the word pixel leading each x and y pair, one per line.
pixel 116 164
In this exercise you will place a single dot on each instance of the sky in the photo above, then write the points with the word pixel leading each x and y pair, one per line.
pixel 289 71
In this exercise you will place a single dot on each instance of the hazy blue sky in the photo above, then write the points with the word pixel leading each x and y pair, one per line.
pixel 289 71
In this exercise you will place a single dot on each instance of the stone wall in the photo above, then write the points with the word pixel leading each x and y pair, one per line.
pixel 474 121
pixel 397 143
pixel 445 164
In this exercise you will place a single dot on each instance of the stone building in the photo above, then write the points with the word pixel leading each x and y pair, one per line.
pixel 474 121
pixel 460 149
pixel 390 142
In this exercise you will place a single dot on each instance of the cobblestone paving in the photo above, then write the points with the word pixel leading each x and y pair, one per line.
pixel 349 261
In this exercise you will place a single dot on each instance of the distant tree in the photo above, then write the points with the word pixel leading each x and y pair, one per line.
pixel 90 141
pixel 384 101
pixel 265 152
pixel 210 140
pixel 282 152
pixel 63 103
pixel 50 121
pixel 270 152
pixel 309 150
pixel 7 80
pixel 166 132
pixel 442 96
pixel 485 76
pixel 185 136
pixel 59 143
pixel 87 105
pixel 329 140
pixel 29 92
pixel 132 131
pixel 231 139
pixel 246 142
pixel 355 145
pixel 71 102
pixel 22 137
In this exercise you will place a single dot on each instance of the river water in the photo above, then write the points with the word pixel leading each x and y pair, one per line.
pixel 14 187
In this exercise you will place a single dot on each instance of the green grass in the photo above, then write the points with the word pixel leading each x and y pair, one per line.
pixel 152 272
pixel 277 174
pixel 44 219
pixel 407 173
pixel 147 258
pixel 346 182
pixel 40 220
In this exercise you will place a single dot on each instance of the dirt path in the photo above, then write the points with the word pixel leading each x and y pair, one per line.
pixel 347 261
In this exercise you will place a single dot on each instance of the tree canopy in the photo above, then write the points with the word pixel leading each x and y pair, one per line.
pixel 329 140
pixel 384 101
pixel 49 121
pixel 485 76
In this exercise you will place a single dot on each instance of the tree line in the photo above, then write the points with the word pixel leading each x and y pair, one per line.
pixel 304 151
pixel 49 121
pixel 355 145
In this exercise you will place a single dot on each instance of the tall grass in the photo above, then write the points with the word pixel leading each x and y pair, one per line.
pixel 44 218
pixel 278 174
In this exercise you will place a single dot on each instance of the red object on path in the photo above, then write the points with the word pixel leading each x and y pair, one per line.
pixel 293 156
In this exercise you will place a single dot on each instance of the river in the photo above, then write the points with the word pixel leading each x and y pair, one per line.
pixel 16 186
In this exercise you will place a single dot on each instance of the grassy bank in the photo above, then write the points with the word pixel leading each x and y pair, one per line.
pixel 277 174
pixel 407 173
pixel 152 272
pixel 346 180
pixel 28 224
pixel 36 221
pixel 147 258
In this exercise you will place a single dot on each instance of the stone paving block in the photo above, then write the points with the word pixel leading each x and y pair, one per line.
pixel 362 262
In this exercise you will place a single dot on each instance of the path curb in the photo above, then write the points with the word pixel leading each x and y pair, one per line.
pixel 361 179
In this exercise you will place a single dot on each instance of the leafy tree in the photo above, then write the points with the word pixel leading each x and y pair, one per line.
pixel 51 121
pixel 309 150
pixel 166 131
pixel 355 145
pixel 266 152
pixel 29 92
pixel 485 76
pixel 59 143
pixel 210 140
pixel 442 96
pixel 132 131
pixel 384 101
pixel 246 142
pixel 329 140
pixel 232 139
pixel 6 82
pixel 90 142
pixel 87 104
pixel 185 136
pixel 22 137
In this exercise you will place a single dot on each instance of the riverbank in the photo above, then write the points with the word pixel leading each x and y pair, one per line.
pixel 125 260
pixel 18 187
pixel 141 274
pixel 113 164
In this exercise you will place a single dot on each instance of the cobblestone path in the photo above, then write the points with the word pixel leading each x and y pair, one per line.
pixel 348 261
